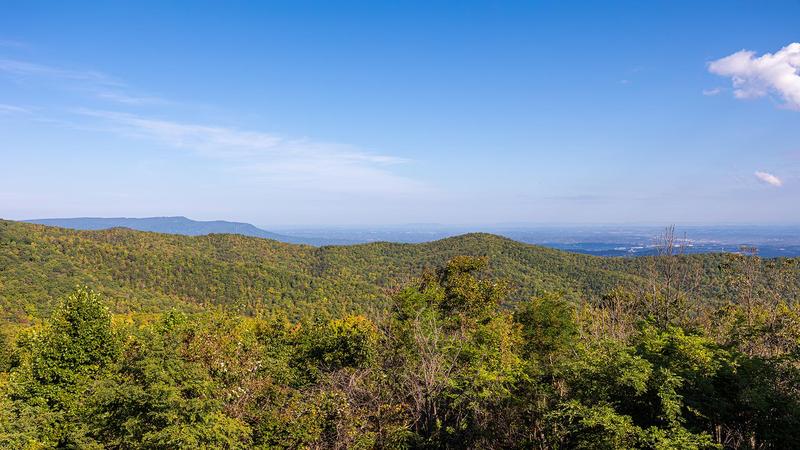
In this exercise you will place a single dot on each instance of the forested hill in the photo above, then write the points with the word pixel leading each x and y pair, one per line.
pixel 144 271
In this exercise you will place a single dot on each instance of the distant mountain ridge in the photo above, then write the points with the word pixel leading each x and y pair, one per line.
pixel 180 225
pixel 771 242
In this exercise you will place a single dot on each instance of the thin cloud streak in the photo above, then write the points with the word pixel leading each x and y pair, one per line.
pixel 11 109
pixel 10 43
pixel 24 68
pixel 266 159
pixel 97 84
pixel 228 142
pixel 127 99
pixel 291 162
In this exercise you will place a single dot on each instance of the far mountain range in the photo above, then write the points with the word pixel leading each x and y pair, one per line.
pixel 184 226
pixel 601 240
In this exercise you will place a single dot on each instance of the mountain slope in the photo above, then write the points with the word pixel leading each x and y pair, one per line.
pixel 178 225
pixel 144 271
pixel 150 272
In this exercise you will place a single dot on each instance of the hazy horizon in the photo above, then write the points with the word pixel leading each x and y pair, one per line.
pixel 361 225
pixel 597 239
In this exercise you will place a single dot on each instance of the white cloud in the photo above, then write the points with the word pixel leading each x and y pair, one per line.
pixel 756 76
pixel 769 178
pixel 712 91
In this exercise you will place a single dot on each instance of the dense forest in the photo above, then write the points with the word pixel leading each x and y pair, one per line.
pixel 144 272
pixel 140 272
pixel 123 339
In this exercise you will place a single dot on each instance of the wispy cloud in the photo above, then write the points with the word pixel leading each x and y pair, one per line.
pixel 12 109
pixel 297 161
pixel 24 68
pixel 756 76
pixel 711 92
pixel 267 159
pixel 96 84
pixel 128 99
pixel 769 179
pixel 10 43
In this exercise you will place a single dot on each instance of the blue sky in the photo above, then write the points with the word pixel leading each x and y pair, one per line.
pixel 331 113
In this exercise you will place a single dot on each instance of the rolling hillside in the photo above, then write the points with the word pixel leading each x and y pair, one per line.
pixel 255 375
pixel 142 271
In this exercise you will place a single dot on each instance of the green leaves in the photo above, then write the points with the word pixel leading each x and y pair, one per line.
pixel 548 326
pixel 47 389
pixel 455 355
pixel 160 396
pixel 348 342
pixel 450 366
